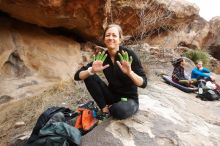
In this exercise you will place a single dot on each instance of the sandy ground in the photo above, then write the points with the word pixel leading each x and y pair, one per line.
pixel 28 109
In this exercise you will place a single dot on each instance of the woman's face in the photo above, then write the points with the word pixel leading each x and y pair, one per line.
pixel 199 65
pixel 182 63
pixel 112 38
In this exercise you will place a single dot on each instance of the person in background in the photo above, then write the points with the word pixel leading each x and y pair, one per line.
pixel 123 71
pixel 200 72
pixel 178 75
pixel 178 71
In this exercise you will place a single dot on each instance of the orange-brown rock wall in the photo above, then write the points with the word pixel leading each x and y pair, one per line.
pixel 85 17
pixel 139 18
pixel 27 50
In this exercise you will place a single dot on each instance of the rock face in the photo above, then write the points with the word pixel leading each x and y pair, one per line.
pixel 213 37
pixel 192 35
pixel 87 19
pixel 166 118
pixel 148 17
pixel 28 50
pixel 84 17
pixel 167 23
pixel 31 59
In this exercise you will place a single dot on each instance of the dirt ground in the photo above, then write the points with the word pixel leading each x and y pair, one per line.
pixel 27 110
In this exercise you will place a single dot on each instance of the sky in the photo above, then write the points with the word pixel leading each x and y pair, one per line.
pixel 208 8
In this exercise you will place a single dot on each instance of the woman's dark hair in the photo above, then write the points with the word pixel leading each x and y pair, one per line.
pixel 177 62
pixel 119 30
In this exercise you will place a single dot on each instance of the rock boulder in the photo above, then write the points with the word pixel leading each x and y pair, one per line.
pixel 167 117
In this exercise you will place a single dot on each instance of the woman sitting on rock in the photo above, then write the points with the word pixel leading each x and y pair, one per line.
pixel 178 75
pixel 123 71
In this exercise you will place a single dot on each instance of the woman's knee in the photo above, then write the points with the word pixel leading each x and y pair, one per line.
pixel 92 80
pixel 123 110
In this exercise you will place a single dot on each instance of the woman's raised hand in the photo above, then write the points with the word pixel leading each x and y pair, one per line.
pixel 125 62
pixel 98 60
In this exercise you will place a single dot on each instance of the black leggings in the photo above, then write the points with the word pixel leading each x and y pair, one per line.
pixel 103 96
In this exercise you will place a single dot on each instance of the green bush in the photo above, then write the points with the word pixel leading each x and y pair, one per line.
pixel 196 55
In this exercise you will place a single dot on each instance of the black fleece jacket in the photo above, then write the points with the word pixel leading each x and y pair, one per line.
pixel 120 83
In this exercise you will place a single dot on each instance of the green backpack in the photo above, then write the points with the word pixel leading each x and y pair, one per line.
pixel 58 134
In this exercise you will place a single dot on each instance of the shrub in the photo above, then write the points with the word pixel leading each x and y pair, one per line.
pixel 195 55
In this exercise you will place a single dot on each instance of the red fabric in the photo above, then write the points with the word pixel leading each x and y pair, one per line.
pixel 85 121
pixel 217 88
